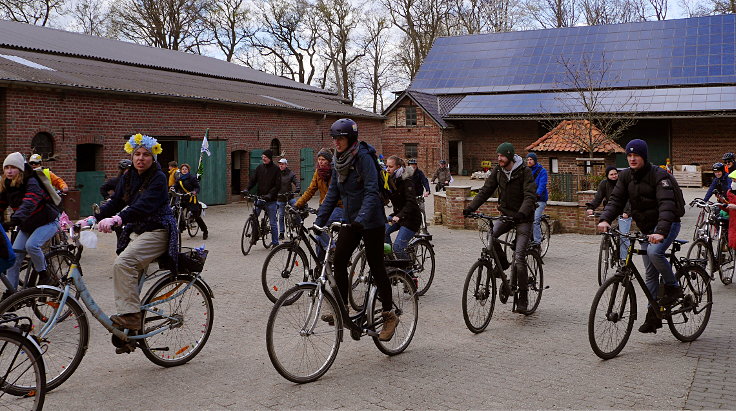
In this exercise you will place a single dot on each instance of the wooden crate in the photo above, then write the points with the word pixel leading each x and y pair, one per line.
pixel 688 178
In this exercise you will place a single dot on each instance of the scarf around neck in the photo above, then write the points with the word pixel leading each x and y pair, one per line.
pixel 344 161
pixel 324 172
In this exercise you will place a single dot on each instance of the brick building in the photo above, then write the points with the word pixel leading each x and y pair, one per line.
pixel 75 99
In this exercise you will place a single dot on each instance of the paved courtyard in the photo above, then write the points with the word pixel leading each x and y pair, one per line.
pixel 540 361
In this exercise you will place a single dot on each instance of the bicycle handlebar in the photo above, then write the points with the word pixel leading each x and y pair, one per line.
pixel 334 226
pixel 489 217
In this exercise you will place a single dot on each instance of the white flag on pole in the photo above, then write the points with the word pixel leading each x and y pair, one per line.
pixel 206 144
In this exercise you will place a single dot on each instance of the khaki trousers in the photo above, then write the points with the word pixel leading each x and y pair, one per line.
pixel 130 265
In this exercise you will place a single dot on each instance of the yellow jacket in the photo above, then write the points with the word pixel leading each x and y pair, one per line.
pixel 172 177
pixel 56 181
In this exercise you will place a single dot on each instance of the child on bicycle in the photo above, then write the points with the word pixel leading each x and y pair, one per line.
pixel 188 183
pixel 406 218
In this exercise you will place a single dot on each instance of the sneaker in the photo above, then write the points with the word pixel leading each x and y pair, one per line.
pixel 522 302
pixel 390 321
pixel 672 293
pixel 504 292
pixel 44 278
pixel 131 321
pixel 281 236
pixel 651 323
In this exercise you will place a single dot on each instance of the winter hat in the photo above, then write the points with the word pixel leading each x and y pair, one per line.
pixel 16 160
pixel 507 150
pixel 326 154
pixel 638 146
pixel 533 156
pixel 269 154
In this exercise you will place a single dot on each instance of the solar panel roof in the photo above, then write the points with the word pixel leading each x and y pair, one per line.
pixel 682 52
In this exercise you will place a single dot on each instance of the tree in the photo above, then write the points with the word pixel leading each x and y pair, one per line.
pixel 229 21
pixel 480 16
pixel 377 70
pixel 553 13
pixel 724 6
pixel 598 12
pixel 90 17
pixel 340 18
pixel 36 12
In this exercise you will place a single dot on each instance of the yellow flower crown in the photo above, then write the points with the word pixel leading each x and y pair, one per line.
pixel 139 140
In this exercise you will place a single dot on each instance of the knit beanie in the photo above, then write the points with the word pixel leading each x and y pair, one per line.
pixel 638 146
pixel 16 160
pixel 533 156
pixel 506 150
pixel 269 154
pixel 326 154
pixel 608 170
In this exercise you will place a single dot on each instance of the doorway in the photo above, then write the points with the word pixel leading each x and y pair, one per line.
pixel 456 157
pixel 238 171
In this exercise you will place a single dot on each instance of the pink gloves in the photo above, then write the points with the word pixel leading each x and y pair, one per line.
pixel 86 221
pixel 107 224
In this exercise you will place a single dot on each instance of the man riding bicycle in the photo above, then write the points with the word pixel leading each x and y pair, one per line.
pixel 516 199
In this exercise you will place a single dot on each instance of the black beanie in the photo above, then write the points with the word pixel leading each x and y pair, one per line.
pixel 638 146
pixel 608 170
pixel 269 154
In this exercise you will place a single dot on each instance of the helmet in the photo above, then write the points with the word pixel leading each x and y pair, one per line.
pixel 125 164
pixel 412 161
pixel 443 162
pixel 35 158
pixel 344 127
pixel 719 166
pixel 729 157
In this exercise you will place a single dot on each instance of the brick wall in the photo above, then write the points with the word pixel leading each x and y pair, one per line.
pixel 702 140
pixel 430 138
pixel 75 117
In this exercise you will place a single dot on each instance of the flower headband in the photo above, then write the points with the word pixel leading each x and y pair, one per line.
pixel 139 140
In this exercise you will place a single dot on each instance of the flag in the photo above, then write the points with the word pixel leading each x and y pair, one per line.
pixel 205 149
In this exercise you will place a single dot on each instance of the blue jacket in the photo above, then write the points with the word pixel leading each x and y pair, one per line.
pixel 359 193
pixel 721 184
pixel 541 180
pixel 7 255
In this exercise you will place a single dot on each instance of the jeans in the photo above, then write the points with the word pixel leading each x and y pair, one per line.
pixel 541 205
pixel 282 209
pixel 271 207
pixel 624 226
pixel 31 244
pixel 523 234
pixel 402 239
pixel 324 238
pixel 656 263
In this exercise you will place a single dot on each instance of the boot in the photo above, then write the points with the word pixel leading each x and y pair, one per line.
pixel 651 323
pixel 204 234
pixel 522 302
pixel 672 293
pixel 390 321
pixel 131 321
pixel 44 278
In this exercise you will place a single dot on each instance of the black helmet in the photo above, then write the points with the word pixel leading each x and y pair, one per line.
pixel 412 161
pixel 125 164
pixel 344 127
pixel 729 157
pixel 719 166
pixel 443 162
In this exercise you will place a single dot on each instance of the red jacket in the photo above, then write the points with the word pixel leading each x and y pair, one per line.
pixel 732 220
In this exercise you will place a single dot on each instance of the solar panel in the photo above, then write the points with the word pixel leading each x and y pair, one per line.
pixel 666 53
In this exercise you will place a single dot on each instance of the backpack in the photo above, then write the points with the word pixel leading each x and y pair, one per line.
pixel 45 182
pixel 671 180
pixel 384 189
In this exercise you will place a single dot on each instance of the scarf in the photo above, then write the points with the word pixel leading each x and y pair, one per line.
pixel 324 172
pixel 344 161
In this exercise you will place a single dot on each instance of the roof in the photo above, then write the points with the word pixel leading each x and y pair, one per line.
pixel 564 137
pixel 428 102
pixel 684 52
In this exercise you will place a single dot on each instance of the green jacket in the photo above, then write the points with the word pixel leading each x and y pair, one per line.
pixel 517 195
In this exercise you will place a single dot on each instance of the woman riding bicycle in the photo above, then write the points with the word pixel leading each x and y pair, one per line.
pixel 605 188
pixel 406 218
pixel 140 205
pixel 34 213
pixel 188 183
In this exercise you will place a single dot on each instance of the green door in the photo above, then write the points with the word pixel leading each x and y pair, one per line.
pixel 255 160
pixel 213 182
pixel 89 183
pixel 306 167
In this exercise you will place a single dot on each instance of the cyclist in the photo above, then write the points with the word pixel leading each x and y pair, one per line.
pixel 173 173
pixel 187 183
pixel 728 160
pixel 140 205
pixel 421 188
pixel 406 218
pixel 355 181
pixel 442 176
pixel 720 184
pixel 268 178
pixel 109 186
pixel 516 199
pixel 56 181
pixel 540 179
pixel 653 194
pixel 321 181
pixel 605 188
pixel 33 213
pixel 289 183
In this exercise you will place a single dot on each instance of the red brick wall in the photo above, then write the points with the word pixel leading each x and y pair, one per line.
pixel 73 118
pixel 702 140
pixel 430 138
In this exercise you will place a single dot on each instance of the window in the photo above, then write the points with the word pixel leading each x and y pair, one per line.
pixel 276 147
pixel 411 116
pixel 411 150
pixel 43 144
pixel 554 165
pixel 588 167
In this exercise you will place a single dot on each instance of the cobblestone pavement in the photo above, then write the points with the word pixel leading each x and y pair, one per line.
pixel 540 361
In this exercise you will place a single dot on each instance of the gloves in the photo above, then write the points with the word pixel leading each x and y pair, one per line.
pixel 86 221
pixel 107 224
pixel 467 211
pixel 356 226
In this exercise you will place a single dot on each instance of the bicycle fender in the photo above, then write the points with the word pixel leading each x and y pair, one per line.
pixel 306 283
pixel 205 286
pixel 61 290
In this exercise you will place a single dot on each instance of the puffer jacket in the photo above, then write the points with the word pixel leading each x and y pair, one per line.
pixel 720 185
pixel 31 203
pixel 404 199
pixel 517 194
pixel 268 178
pixel 359 192
pixel 605 188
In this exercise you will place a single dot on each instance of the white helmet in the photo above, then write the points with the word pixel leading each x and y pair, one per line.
pixel 35 158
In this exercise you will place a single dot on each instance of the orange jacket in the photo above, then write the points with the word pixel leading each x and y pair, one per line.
pixel 56 181
pixel 316 184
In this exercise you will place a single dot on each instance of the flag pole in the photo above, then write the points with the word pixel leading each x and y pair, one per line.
pixel 205 147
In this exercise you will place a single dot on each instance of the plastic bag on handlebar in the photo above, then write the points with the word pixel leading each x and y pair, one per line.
pixel 88 239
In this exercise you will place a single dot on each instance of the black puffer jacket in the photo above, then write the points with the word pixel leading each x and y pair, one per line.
pixel 517 195
pixel 268 178
pixel 31 203
pixel 652 197
pixel 404 200
pixel 605 188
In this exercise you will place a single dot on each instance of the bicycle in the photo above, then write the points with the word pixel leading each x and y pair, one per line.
pixel 479 290
pixel 291 220
pixel 713 228
pixel 302 343
pixel 542 247
pixel 608 252
pixel 184 218
pixel 22 369
pixel 613 310
pixel 177 317
pixel 253 229
pixel 423 227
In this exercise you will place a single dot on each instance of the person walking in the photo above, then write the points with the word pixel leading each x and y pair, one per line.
pixel 421 189
pixel 442 176
pixel 268 178
pixel 108 187
pixel 539 174
pixel 289 184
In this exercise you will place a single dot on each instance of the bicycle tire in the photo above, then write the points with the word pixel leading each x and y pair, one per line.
pixel 265 232
pixel 423 254
pixel 192 226
pixel 702 251
pixel 606 259
pixel 180 343
pixel 248 237
pixel 478 303
pixel 509 240
pixel 728 268
pixel 358 277
pixel 285 266
pixel 614 293
pixel 406 308
pixel 695 306
pixel 22 371
pixel 58 263
pixel 303 356
pixel 535 281
pixel 65 345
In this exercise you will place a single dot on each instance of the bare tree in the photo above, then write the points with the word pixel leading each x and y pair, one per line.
pixel 553 13
pixel 480 16
pixel 694 8
pixel 229 21
pixel 377 70
pixel 90 17
pixel 724 6
pixel 340 18
pixel 36 12
pixel 598 12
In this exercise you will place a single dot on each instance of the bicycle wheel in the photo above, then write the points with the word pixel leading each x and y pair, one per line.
pixel 535 280
pixel 423 269
pixel 406 308
pixel 249 236
pixel 190 317
pixel 301 345
pixel 699 224
pixel 192 226
pixel 728 266
pixel 65 345
pixel 22 371
pixel 508 248
pixel 285 266
pixel 689 316
pixel 701 250
pixel 265 233
pixel 607 259
pixel 358 278
pixel 479 296
pixel 611 317
pixel 546 234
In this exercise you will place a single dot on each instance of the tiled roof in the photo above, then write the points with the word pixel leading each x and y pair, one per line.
pixel 430 105
pixel 565 135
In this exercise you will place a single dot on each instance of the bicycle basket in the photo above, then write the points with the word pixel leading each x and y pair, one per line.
pixel 190 260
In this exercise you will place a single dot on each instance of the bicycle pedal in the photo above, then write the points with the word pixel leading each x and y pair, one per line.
pixel 356 334
pixel 126 349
